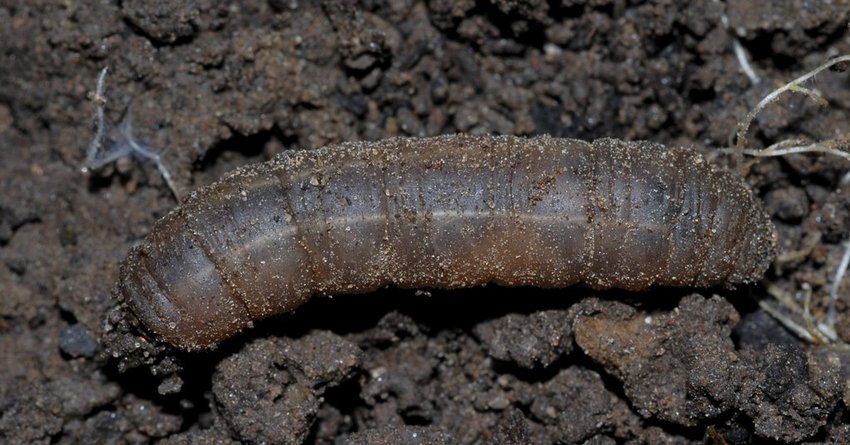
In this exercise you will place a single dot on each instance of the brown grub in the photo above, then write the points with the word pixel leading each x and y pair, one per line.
pixel 613 214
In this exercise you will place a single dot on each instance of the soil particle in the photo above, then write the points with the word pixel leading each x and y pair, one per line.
pixel 787 204
pixel 409 435
pixel 77 341
pixel 40 424
pixel 269 391
pixel 133 420
pixel 511 429
pixel 200 437
pixel 797 392
pixel 788 389
pixel 758 329
pixel 164 21
pixel 834 216
pixel 534 340
pixel 575 405
pixel 71 398
pixel 788 36
pixel 679 366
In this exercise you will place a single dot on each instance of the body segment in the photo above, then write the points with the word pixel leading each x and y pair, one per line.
pixel 442 212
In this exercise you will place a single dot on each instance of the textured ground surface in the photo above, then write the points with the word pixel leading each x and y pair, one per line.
pixel 213 85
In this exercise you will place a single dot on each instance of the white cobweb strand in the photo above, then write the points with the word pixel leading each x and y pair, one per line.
pixel 97 155
pixel 145 152
pixel 100 105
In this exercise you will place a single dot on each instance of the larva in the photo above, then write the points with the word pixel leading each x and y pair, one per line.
pixel 441 212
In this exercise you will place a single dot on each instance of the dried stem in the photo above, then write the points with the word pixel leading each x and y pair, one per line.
pixel 795 86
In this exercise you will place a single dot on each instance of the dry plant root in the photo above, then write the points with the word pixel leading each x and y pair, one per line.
pixel 801 321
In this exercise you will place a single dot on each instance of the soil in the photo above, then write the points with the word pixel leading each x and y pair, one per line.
pixel 208 86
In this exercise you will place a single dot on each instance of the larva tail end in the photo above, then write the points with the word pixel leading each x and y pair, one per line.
pixel 759 251
pixel 174 286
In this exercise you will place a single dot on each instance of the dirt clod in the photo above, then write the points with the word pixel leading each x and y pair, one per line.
pixel 269 391
pixel 681 366
pixel 77 341
pixel 538 339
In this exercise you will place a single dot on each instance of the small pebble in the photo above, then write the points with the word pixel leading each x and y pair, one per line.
pixel 171 385
pixel 77 341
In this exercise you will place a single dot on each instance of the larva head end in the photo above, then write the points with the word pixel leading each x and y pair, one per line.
pixel 758 252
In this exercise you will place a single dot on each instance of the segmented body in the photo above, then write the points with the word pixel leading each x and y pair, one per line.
pixel 442 212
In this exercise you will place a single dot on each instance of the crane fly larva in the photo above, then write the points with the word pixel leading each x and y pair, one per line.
pixel 441 212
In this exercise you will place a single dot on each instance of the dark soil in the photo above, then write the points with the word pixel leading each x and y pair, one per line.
pixel 213 85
